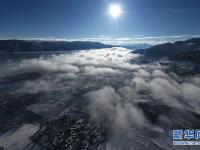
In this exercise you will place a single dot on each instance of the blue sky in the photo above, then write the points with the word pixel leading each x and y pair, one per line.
pixel 150 21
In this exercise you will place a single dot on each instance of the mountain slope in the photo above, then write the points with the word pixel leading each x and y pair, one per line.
pixel 182 50
pixel 36 46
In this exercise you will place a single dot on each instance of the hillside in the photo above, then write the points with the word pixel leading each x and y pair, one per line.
pixel 36 46
pixel 181 50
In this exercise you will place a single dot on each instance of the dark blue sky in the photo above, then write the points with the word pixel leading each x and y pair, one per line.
pixel 89 18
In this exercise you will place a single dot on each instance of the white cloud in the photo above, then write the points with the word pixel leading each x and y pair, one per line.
pixel 91 70
pixel 142 73
pixel 168 92
pixel 51 65
pixel 108 107
pixel 191 92
pixel 159 73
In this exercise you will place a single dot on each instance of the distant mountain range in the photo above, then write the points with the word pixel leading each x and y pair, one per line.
pixel 181 50
pixel 37 46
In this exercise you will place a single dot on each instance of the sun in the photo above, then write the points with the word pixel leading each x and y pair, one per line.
pixel 115 10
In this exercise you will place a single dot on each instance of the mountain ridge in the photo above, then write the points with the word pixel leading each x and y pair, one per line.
pixel 14 45
pixel 180 50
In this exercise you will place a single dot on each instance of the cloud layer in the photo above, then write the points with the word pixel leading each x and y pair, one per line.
pixel 137 102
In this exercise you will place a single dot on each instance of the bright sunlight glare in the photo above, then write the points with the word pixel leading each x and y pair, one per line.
pixel 115 10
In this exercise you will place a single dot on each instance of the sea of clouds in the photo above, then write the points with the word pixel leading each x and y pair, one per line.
pixel 138 103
